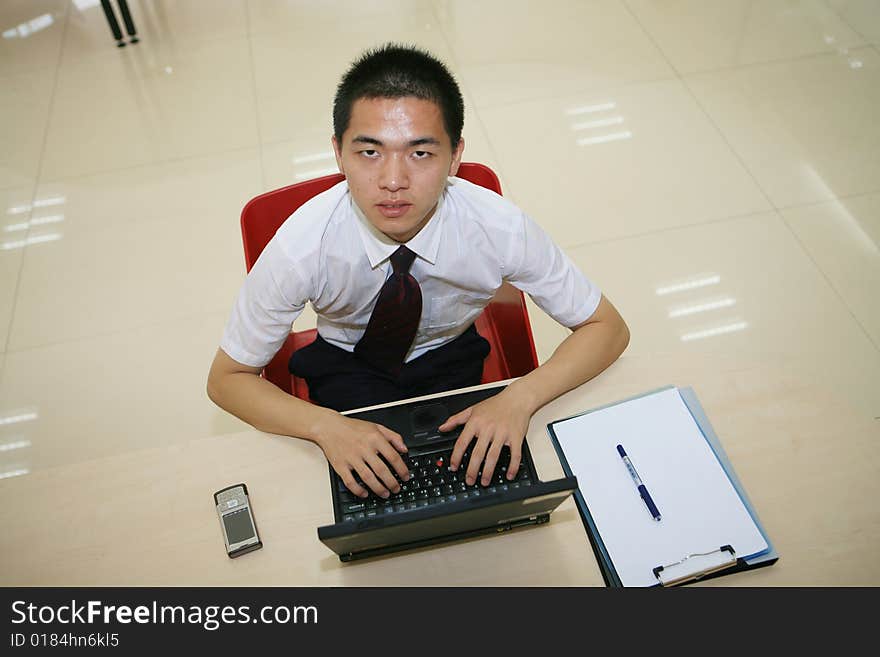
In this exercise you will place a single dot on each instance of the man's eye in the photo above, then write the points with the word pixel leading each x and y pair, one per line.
pixel 369 152
pixel 422 154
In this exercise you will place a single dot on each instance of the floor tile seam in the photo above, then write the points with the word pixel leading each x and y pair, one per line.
pixel 776 209
pixel 492 152
pixel 693 96
pixel 36 183
pixel 27 183
pixel 680 76
pixel 676 76
pixel 253 67
pixel 276 142
pixel 843 20
pixel 667 229
pixel 829 282
pixel 839 198
pixel 776 212
pixel 454 66
pixel 105 458
pixel 28 70
pixel 624 85
pixel 574 92
pixel 730 147
pixel 152 223
pixel 272 143
pixel 328 23
pixel 169 320
pixel 178 46
pixel 650 37
pixel 30 73
pixel 144 165
pixel 837 52
pixel 683 74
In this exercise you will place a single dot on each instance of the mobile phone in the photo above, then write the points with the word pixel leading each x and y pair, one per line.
pixel 237 520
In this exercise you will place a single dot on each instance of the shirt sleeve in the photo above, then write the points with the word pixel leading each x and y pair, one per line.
pixel 542 270
pixel 271 298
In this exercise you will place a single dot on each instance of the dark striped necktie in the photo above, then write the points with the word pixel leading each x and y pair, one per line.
pixel 392 326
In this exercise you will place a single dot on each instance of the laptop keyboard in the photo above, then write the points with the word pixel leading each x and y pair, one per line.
pixel 431 482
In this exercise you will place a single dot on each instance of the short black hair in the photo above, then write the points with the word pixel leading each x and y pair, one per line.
pixel 396 71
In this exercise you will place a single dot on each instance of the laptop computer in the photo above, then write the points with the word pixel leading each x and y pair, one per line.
pixel 436 505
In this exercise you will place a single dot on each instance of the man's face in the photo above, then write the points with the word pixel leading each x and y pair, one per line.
pixel 396 156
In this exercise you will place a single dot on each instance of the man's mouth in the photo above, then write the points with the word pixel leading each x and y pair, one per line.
pixel 392 209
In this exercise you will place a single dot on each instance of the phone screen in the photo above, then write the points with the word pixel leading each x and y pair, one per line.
pixel 238 526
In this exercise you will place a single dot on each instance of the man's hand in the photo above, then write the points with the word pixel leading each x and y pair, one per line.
pixel 495 422
pixel 352 445
pixel 504 419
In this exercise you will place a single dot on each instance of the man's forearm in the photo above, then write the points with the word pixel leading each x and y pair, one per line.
pixel 266 407
pixel 580 357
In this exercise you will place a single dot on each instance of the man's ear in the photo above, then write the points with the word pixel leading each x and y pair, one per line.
pixel 337 151
pixel 456 157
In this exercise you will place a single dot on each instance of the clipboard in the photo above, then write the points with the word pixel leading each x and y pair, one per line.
pixel 690 564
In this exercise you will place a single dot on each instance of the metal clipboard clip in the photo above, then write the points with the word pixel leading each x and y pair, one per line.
pixel 696 566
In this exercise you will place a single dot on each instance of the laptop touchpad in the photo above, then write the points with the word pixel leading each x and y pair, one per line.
pixel 426 419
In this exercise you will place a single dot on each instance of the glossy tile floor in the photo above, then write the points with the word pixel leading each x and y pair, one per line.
pixel 714 167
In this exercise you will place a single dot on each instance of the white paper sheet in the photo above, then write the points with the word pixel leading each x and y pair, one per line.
pixel 700 509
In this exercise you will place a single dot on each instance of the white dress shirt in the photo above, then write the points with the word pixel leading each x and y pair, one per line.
pixel 327 253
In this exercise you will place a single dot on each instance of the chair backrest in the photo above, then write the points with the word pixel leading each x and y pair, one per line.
pixel 504 322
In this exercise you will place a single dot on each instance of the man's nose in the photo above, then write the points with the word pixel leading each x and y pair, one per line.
pixel 394 175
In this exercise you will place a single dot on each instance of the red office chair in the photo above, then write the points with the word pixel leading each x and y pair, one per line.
pixel 504 322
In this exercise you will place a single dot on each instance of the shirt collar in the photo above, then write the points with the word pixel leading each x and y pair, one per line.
pixel 379 246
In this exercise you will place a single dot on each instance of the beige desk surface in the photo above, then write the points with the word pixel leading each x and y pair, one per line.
pixel 808 460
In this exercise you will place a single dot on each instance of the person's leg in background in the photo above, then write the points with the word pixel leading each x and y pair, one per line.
pixel 129 23
pixel 114 24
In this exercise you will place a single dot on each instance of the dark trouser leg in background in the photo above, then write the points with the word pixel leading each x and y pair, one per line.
pixel 129 23
pixel 114 24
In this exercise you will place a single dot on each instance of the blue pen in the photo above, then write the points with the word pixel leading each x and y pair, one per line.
pixel 642 490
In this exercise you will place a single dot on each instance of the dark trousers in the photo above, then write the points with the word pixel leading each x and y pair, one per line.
pixel 340 380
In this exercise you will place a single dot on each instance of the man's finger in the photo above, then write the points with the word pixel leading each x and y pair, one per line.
pixel 461 444
pixel 383 472
pixel 394 460
pixel 352 484
pixel 394 438
pixel 456 420
pixel 476 460
pixel 491 460
pixel 370 479
pixel 515 456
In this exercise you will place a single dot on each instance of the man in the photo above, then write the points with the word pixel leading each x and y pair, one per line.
pixel 397 321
